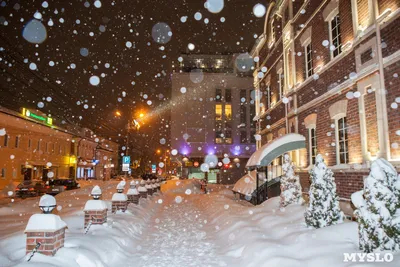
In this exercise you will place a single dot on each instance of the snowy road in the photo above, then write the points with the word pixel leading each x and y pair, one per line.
pixel 176 236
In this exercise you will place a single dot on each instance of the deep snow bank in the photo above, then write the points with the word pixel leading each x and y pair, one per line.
pixel 108 245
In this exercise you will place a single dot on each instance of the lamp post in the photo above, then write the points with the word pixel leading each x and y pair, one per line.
pixel 136 125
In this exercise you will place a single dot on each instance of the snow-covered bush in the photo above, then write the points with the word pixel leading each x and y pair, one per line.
pixel 323 208
pixel 290 184
pixel 378 209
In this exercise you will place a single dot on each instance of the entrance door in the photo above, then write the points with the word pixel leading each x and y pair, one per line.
pixel 45 172
pixel 28 174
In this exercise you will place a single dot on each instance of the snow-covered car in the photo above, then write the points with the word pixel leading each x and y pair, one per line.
pixel 30 189
pixel 57 186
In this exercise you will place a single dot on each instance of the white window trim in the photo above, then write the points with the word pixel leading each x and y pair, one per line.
pixel 306 43
pixel 313 127
pixel 329 19
pixel 337 141
pixel 272 34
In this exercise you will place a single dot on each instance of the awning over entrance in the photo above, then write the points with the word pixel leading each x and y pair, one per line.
pixel 268 152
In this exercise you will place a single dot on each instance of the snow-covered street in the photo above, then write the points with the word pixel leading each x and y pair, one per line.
pixel 176 237
pixel 182 227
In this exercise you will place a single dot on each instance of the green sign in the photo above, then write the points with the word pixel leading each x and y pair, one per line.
pixel 29 114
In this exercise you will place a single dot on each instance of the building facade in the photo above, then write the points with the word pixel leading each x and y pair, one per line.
pixel 32 147
pixel 212 107
pixel 328 70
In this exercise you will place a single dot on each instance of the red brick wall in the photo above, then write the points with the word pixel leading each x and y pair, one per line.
pixel 392 84
pixel 50 241
pixel 390 38
pixel 119 205
pixel 346 182
pixel 96 216
pixel 384 4
pixel 346 22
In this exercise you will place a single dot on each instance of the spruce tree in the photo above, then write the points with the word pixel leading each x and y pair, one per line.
pixel 378 209
pixel 290 184
pixel 323 208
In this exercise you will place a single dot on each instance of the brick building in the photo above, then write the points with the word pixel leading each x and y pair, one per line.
pixel 328 70
pixel 33 145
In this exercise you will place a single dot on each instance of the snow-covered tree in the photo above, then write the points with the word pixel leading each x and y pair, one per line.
pixel 323 208
pixel 290 184
pixel 378 209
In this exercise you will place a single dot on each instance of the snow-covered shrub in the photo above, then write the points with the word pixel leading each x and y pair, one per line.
pixel 290 184
pixel 378 209
pixel 323 208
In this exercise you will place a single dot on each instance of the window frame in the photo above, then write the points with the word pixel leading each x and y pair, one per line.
pixel 338 141
pixel 280 85
pixel 307 60
pixel 6 140
pixel 312 149
pixel 339 47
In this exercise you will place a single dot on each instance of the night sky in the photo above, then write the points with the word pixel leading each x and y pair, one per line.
pixel 129 73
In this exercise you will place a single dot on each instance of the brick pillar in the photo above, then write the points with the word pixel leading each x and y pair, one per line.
pixel 133 198
pixel 95 211
pixel 143 194
pixel 119 205
pixel 51 239
pixel 119 202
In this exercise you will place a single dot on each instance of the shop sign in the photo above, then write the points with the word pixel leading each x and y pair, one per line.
pixel 30 114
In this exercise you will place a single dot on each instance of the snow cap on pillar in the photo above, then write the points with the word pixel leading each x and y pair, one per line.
pixel 96 192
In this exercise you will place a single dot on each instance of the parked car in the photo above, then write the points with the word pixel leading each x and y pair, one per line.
pixel 57 186
pixel 30 189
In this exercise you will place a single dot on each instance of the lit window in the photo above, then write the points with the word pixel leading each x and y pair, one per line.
pixel 218 137
pixel 309 61
pixel 228 137
pixel 313 144
pixel 268 96
pixel 218 112
pixel 228 112
pixel 281 82
pixel 342 141
pixel 336 41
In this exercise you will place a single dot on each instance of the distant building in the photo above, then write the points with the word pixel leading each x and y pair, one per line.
pixel 211 114
pixel 32 147
pixel 332 75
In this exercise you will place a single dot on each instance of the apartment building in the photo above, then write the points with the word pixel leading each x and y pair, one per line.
pixel 211 111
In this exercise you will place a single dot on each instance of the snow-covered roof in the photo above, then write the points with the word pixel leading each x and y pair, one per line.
pixel 247 184
pixel 119 197
pixel 95 205
pixel 268 152
pixel 44 222
pixel 133 191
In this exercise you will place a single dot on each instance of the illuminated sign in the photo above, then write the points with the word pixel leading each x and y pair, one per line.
pixel 196 164
pixel 153 168
pixel 126 161
pixel 30 114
